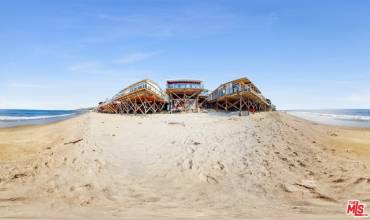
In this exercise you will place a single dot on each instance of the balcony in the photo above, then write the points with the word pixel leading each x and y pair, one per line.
pixel 184 86
pixel 220 92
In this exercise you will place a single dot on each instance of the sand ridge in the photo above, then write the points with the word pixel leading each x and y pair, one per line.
pixel 182 165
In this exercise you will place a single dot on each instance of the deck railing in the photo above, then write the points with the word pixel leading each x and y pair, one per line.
pixel 144 85
pixel 185 86
pixel 223 92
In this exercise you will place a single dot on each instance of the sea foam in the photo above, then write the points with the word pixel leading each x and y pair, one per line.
pixel 332 116
pixel 21 118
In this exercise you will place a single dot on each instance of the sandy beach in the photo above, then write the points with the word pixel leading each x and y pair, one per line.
pixel 182 166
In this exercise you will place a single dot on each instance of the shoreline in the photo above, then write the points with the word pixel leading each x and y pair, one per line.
pixel 330 119
pixel 360 128
pixel 32 122
pixel 46 121
pixel 346 141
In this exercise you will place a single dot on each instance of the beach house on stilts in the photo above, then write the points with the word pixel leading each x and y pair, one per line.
pixel 184 95
pixel 238 95
pixel 142 97
pixel 107 107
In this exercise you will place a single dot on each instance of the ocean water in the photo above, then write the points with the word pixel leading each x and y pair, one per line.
pixel 18 117
pixel 340 117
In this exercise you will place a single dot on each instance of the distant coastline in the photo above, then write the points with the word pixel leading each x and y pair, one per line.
pixel 338 117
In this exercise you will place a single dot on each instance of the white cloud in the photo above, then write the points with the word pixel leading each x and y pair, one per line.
pixel 29 85
pixel 92 68
pixel 358 99
pixel 136 57
pixel 101 68
pixel 108 72
pixel 204 19
pixel 84 66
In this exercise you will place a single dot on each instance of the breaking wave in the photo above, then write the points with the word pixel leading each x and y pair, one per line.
pixel 22 118
pixel 332 116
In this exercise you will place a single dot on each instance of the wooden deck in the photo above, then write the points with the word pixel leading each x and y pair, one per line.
pixel 146 97
pixel 109 108
pixel 187 91
pixel 142 101
pixel 142 97
pixel 238 95
pixel 184 99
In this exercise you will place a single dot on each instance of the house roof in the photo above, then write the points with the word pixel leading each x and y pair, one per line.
pixel 173 81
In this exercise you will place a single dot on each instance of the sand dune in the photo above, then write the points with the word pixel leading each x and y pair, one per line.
pixel 267 165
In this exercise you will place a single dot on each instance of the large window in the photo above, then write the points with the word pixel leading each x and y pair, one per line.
pixel 184 86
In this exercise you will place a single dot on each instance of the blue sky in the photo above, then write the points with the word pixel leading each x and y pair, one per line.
pixel 71 54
